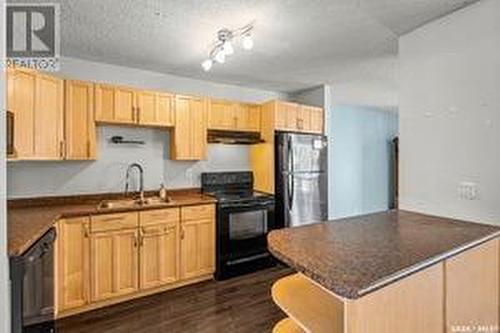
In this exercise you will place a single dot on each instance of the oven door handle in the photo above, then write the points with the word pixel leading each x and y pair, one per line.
pixel 291 185
pixel 251 205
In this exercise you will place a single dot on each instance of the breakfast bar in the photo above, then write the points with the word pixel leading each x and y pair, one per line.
pixel 394 271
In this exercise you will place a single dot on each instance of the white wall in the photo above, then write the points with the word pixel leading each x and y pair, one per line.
pixel 4 265
pixel 107 174
pixel 450 114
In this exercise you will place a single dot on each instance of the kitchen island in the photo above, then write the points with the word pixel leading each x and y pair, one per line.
pixel 394 271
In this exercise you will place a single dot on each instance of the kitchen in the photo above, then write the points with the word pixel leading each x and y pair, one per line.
pixel 145 186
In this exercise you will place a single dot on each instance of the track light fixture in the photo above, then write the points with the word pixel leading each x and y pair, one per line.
pixel 223 46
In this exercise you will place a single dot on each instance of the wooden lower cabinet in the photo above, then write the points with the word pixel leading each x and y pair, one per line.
pixel 197 248
pixel 114 263
pixel 197 241
pixel 72 263
pixel 159 255
pixel 106 259
pixel 472 288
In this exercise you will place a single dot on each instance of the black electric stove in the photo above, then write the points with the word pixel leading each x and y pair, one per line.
pixel 244 218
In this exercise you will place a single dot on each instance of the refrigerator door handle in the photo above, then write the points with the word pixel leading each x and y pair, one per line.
pixel 291 185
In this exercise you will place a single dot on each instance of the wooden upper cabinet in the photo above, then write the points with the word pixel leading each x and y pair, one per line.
pixel 303 120
pixel 80 131
pixel 165 112
pixel 37 102
pixel 248 117
pixel 21 102
pixel 123 105
pixel 114 263
pixel 292 111
pixel 233 116
pixel 72 263
pixel 190 131
pixel 317 120
pixel 115 104
pixel 286 116
pixel 221 115
pixel 155 108
pixel 49 104
pixel 298 118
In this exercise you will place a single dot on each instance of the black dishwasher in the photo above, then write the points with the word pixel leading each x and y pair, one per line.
pixel 32 277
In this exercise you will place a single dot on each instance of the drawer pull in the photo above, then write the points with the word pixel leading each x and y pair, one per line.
pixel 111 219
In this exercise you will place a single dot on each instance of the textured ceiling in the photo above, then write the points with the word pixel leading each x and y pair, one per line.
pixel 298 43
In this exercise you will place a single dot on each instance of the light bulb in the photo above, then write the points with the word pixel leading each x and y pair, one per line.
pixel 207 64
pixel 220 56
pixel 228 48
pixel 247 42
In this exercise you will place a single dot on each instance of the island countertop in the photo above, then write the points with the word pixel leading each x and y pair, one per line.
pixel 352 257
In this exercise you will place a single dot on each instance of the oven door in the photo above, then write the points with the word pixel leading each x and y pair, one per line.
pixel 242 231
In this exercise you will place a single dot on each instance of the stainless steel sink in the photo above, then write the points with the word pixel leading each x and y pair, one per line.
pixel 130 203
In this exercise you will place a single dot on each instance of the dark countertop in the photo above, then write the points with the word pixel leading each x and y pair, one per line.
pixel 354 256
pixel 29 219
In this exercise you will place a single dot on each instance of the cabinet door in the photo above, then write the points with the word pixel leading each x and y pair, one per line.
pixel 180 145
pixel 73 278
pixel 146 108
pixel 291 116
pixel 49 99
pixel 317 120
pixel 221 115
pixel 21 101
pixel 114 263
pixel 472 287
pixel 115 104
pixel 197 248
pixel 198 113
pixel 248 118
pixel 159 255
pixel 80 132
pixel 104 103
pixel 303 118
pixel 125 105
pixel 280 115
pixel 165 109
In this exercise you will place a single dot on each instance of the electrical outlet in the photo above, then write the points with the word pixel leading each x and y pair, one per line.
pixel 467 191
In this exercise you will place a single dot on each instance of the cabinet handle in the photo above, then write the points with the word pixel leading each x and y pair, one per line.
pixel 138 114
pixel 61 149
pixel 88 149
pixel 110 219
pixel 182 233
pixel 86 231
pixel 136 240
pixel 300 124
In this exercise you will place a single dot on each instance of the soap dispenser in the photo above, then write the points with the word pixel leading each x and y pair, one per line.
pixel 163 192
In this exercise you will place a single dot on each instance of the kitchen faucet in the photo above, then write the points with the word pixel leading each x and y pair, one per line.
pixel 141 180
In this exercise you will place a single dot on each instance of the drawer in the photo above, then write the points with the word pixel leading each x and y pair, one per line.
pixel 108 222
pixel 159 229
pixel 202 212
pixel 157 216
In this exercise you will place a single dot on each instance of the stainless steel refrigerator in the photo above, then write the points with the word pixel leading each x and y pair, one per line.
pixel 301 179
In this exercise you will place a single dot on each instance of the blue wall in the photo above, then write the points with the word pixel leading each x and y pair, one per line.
pixel 360 160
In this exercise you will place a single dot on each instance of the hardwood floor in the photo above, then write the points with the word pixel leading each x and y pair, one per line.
pixel 242 304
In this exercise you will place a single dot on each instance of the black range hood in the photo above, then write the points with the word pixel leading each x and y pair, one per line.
pixel 233 137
